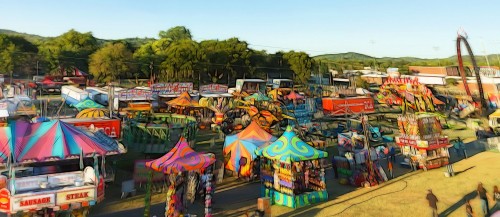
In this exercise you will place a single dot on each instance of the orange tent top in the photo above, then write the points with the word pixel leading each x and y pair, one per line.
pixel 183 100
pixel 436 101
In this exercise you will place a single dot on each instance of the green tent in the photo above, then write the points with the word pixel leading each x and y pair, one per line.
pixel 290 148
pixel 88 103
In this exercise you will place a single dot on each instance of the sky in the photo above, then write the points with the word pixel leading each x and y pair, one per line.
pixel 380 28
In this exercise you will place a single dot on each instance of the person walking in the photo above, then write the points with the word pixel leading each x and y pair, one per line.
pixel 393 154
pixel 483 196
pixel 390 169
pixel 432 199
pixel 496 197
pixel 468 208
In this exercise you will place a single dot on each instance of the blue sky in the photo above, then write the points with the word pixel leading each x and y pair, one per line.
pixel 421 28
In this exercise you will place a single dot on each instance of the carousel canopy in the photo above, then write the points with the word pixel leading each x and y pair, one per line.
pixel 290 148
pixel 294 96
pixel 258 97
pixel 88 103
pixel 93 113
pixel 184 100
pixel 181 158
pixel 56 140
pixel 244 144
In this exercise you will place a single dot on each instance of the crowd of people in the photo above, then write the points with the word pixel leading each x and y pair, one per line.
pixel 485 198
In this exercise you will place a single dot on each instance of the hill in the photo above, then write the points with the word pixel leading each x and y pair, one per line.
pixel 36 39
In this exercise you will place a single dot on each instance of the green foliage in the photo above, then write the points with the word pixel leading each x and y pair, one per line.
pixel 71 49
pixel 16 54
pixel 176 33
pixel 301 64
pixel 181 59
pixel 111 62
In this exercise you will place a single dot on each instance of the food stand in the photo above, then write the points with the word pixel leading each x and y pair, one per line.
pixel 291 172
pixel 45 143
pixel 177 163
pixel 422 141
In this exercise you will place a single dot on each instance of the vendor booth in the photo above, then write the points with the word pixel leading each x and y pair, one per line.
pixel 422 142
pixel 291 172
pixel 34 190
pixel 243 145
pixel 182 164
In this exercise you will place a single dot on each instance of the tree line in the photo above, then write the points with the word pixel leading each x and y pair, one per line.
pixel 173 56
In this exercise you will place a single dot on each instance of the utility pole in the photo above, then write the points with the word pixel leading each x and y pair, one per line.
pixel 37 68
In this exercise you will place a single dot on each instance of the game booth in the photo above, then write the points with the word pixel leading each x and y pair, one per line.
pixel 33 185
pixel 243 146
pixel 353 160
pixel 291 172
pixel 422 142
pixel 183 165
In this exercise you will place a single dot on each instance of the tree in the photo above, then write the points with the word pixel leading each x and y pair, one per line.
pixel 8 56
pixel 16 54
pixel 301 64
pixel 176 33
pixel 111 62
pixel 71 49
pixel 181 59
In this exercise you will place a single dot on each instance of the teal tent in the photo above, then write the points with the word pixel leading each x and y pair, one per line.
pixel 88 103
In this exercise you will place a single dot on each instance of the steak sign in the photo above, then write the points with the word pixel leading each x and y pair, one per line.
pixel 75 196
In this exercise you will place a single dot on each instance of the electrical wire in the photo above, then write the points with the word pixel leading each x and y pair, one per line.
pixel 354 204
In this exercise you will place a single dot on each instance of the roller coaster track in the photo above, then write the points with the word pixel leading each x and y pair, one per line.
pixel 461 38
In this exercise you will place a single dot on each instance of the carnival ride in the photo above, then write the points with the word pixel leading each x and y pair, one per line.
pixel 461 38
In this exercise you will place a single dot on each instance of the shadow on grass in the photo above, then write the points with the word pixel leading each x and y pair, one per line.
pixel 458 172
pixel 458 204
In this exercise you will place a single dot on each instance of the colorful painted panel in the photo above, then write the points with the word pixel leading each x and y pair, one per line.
pixel 290 148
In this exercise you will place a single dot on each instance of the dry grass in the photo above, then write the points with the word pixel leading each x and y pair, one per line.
pixel 409 194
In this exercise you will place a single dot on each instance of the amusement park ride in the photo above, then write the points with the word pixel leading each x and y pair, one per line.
pixel 462 36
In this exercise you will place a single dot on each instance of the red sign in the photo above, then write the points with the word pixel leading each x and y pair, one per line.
pixel 112 127
pixel 4 200
pixel 342 106
pixel 213 88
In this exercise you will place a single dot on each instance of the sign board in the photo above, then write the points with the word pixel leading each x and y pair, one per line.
pixel 65 178
pixel 342 106
pixel 213 88
pixel 112 127
pixel 74 196
pixel 29 183
pixel 141 172
pixel 32 202
pixel 171 88
pixel 135 94
pixel 4 200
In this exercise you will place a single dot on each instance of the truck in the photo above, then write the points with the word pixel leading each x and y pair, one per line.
pixel 73 95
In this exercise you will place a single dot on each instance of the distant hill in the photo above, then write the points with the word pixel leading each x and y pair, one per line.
pixel 452 60
pixel 36 39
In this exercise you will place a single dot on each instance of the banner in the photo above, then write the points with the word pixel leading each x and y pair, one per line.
pixel 112 127
pixel 342 106
pixel 171 88
pixel 141 172
pixel 135 94
pixel 75 196
pixel 213 88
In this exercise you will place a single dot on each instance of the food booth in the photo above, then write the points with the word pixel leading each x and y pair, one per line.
pixel 422 142
pixel 291 172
